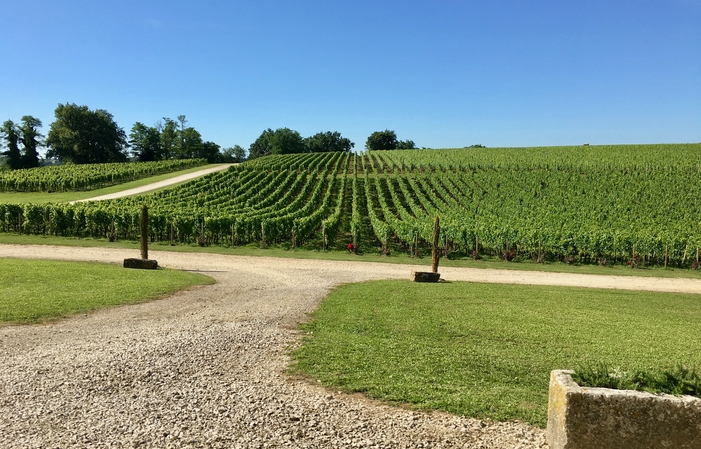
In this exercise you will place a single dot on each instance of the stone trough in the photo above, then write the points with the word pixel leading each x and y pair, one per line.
pixel 602 418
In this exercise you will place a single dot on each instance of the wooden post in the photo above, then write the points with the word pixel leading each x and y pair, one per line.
pixel 233 237
pixel 684 257
pixel 665 256
pixel 540 246
pixel 171 233
pixel 262 233
pixel 434 252
pixel 201 239
pixel 144 232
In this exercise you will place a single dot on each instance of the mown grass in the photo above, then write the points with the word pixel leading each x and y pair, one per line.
pixel 486 350
pixel 62 197
pixel 37 290
pixel 342 255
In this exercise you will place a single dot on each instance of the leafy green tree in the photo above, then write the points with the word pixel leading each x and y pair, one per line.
pixel 84 136
pixel 328 141
pixel 168 129
pixel 233 154
pixel 190 143
pixel 280 141
pixel 11 137
pixel 263 145
pixel 31 140
pixel 406 145
pixel 210 151
pixel 287 141
pixel 145 142
pixel 382 140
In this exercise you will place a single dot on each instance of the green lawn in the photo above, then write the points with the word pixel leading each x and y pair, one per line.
pixel 486 350
pixel 61 197
pixel 37 290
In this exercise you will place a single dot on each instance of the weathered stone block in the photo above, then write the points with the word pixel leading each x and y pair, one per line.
pixel 145 264
pixel 602 418
pixel 425 276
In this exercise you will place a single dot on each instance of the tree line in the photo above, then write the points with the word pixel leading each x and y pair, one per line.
pixel 80 135
pixel 288 141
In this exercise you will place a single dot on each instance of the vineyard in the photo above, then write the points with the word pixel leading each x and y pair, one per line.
pixel 70 178
pixel 598 204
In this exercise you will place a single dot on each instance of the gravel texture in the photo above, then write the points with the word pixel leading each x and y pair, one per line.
pixel 205 368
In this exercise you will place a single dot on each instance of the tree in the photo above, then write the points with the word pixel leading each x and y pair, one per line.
pixel 262 146
pixel 328 141
pixel 280 141
pixel 31 140
pixel 83 136
pixel 406 145
pixel 191 143
pixel 11 136
pixel 382 140
pixel 145 142
pixel 169 137
pixel 233 154
pixel 287 141
pixel 209 151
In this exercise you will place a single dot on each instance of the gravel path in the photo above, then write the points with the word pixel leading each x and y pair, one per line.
pixel 159 184
pixel 205 368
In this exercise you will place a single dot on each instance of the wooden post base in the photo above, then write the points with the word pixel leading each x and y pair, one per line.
pixel 425 276
pixel 145 264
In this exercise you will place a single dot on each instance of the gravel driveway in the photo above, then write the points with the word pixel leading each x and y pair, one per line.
pixel 205 367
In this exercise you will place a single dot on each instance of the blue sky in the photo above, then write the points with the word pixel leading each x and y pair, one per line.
pixel 441 73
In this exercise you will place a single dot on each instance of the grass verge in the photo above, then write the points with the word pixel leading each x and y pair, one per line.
pixel 486 350
pixel 400 258
pixel 61 197
pixel 37 290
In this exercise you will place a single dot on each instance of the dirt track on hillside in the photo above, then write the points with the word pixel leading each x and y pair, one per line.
pixel 159 184
pixel 205 367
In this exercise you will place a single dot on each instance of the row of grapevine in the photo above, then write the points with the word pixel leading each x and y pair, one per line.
pixel 64 178
pixel 575 202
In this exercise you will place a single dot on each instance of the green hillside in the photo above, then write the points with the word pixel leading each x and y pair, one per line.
pixel 625 203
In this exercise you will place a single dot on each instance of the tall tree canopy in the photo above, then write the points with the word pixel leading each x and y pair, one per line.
pixel 233 154
pixel 387 140
pixel 145 142
pixel 382 140
pixel 327 141
pixel 84 136
pixel 31 140
pixel 27 134
pixel 11 138
pixel 287 141
pixel 406 145
pixel 280 141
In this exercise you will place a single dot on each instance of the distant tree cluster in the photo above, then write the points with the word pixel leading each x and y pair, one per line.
pixel 80 135
pixel 288 141
pixel 387 140
pixel 22 142
pixel 171 139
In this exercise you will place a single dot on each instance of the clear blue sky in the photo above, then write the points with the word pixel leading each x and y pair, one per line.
pixel 441 73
